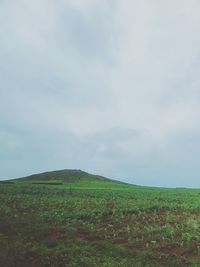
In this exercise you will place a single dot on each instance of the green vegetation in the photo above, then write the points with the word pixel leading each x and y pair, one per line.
pixel 55 221
pixel 64 175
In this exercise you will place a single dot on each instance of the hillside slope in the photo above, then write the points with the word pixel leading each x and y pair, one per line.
pixel 67 175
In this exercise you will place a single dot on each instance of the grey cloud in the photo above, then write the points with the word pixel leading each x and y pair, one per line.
pixel 88 33
pixel 107 86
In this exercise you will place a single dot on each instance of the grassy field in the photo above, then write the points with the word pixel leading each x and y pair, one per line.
pixel 97 222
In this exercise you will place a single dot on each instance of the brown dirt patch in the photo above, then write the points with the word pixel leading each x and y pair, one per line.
pixel 86 235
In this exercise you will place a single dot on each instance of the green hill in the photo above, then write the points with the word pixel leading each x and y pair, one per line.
pixel 67 176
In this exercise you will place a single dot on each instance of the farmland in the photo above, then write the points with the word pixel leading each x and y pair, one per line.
pixel 97 222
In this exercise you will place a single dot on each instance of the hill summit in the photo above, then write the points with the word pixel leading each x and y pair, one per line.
pixel 67 175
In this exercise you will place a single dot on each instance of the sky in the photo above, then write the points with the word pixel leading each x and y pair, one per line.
pixel 107 86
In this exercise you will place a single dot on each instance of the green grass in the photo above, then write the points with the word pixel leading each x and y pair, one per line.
pixel 64 175
pixel 97 222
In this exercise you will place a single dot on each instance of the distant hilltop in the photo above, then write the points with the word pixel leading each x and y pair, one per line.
pixel 67 175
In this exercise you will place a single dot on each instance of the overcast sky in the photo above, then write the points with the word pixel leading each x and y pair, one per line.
pixel 108 86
